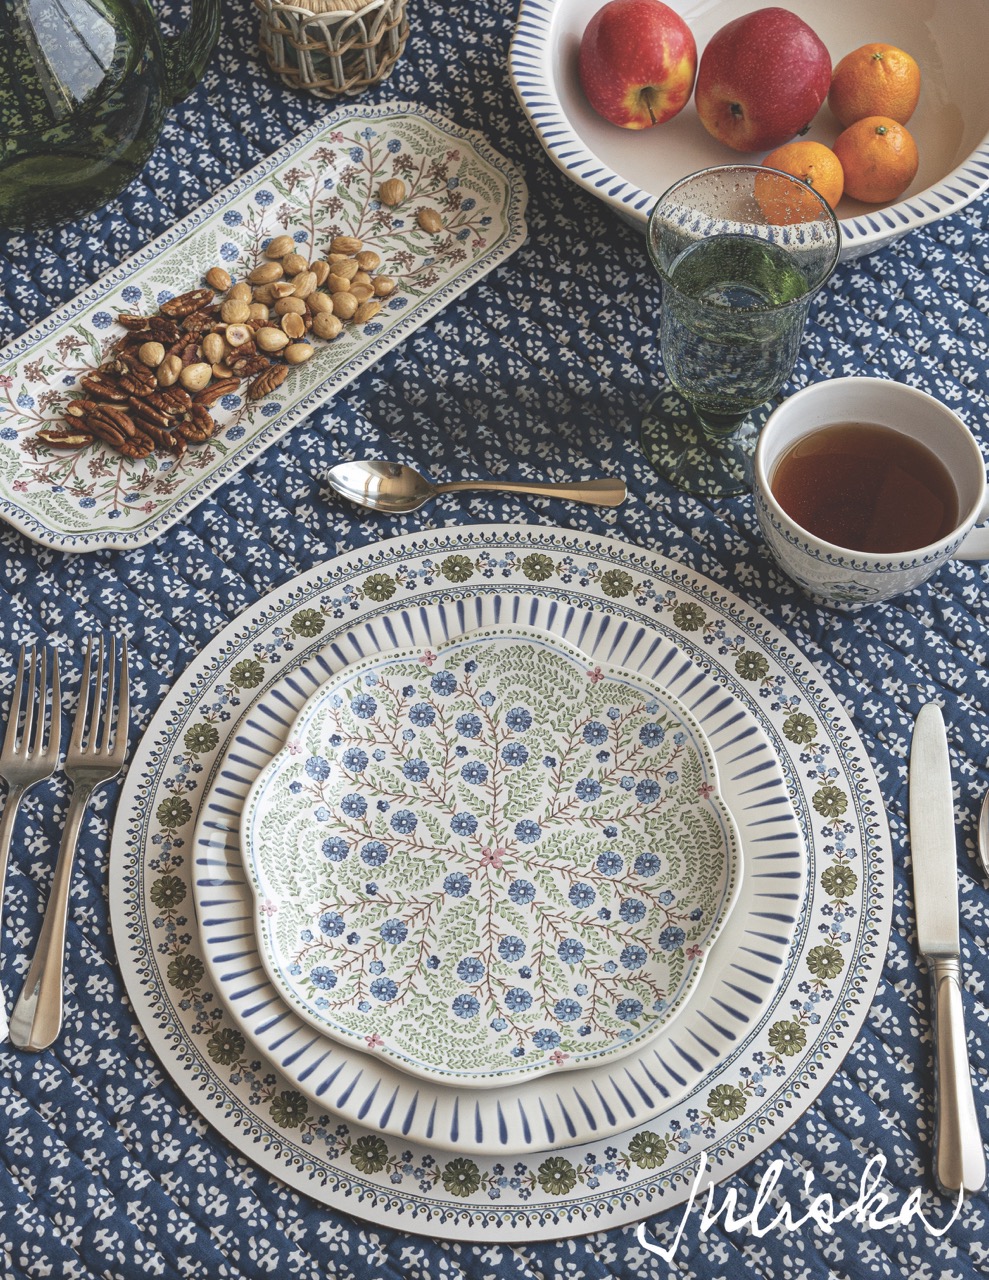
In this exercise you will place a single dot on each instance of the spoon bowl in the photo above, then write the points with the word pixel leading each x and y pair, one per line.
pixel 396 488
pixel 984 836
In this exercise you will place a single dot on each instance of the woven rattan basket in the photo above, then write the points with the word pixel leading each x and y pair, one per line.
pixel 331 47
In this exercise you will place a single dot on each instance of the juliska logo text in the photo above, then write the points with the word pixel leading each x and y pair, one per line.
pixel 870 1209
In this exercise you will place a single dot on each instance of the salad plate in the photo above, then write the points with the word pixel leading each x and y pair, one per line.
pixel 491 861
pixel 740 1081
pixel 322 184
pixel 735 990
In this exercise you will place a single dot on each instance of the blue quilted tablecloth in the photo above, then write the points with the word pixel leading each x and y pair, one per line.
pixel 541 369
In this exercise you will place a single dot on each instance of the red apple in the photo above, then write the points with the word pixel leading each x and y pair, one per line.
pixel 637 63
pixel 761 80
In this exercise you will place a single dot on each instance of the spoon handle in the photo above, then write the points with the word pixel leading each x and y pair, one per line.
pixel 610 492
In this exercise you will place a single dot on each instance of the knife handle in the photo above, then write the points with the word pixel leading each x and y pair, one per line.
pixel 959 1156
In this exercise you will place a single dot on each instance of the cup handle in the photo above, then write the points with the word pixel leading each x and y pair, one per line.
pixel 976 545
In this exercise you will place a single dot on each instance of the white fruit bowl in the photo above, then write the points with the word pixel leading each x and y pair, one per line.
pixel 629 169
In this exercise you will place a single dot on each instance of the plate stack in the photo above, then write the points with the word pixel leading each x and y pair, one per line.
pixel 527 871
pixel 485 892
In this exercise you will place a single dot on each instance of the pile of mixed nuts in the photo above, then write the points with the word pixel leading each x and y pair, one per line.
pixel 155 389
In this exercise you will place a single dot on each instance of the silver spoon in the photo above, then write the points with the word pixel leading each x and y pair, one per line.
pixel 984 835
pixel 391 486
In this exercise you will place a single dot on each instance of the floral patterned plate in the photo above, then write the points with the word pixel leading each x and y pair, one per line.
pixel 747 963
pixel 492 861
pixel 734 1108
pixel 321 184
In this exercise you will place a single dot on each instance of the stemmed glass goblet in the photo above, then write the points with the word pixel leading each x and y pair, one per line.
pixel 741 251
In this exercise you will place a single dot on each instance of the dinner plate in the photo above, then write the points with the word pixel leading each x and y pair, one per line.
pixel 321 184
pixel 731 1111
pixel 495 860
pixel 747 964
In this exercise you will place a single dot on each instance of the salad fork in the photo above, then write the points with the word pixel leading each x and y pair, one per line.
pixel 30 751
pixel 92 759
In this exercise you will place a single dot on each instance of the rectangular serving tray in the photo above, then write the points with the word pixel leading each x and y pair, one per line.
pixel 321 184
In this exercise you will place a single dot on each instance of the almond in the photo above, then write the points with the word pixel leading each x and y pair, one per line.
pixel 218 279
pixel 279 247
pixel 266 273
pixel 392 191
pixel 429 220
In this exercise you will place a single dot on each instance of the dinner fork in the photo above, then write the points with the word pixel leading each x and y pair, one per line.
pixel 30 752
pixel 92 759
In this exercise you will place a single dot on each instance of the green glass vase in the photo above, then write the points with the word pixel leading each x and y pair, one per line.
pixel 84 87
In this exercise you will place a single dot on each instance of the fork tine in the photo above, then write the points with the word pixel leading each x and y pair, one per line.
pixel 34 743
pixel 123 706
pixel 56 720
pixel 14 715
pixel 31 711
pixel 123 712
pixel 47 726
pixel 82 710
pixel 109 716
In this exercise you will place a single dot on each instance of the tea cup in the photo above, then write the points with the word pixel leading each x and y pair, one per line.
pixel 837 575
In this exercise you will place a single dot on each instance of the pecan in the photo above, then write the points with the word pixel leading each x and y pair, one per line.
pixel 216 390
pixel 137 449
pixel 64 438
pixel 139 381
pixel 103 387
pixel 192 431
pixel 200 322
pixel 147 415
pixel 203 419
pixel 104 431
pixel 198 424
pixel 162 437
pixel 267 381
pixel 186 303
pixel 163 330
pixel 104 418
pixel 126 355
pixel 172 401
pixel 127 362
pixel 247 365
pixel 129 320
pixel 128 343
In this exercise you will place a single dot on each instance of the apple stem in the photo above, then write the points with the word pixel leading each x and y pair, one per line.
pixel 647 97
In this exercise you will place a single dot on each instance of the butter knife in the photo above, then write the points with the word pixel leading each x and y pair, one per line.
pixel 959 1156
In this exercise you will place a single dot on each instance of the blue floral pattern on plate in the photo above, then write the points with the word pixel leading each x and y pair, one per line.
pixel 492 861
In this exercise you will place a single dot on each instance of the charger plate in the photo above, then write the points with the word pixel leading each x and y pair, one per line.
pixel 489 862
pixel 741 1105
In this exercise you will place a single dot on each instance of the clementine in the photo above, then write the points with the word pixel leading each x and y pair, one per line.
pixel 875 80
pixel 811 162
pixel 879 158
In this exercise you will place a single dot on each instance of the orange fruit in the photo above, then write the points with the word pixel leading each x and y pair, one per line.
pixel 875 80
pixel 879 158
pixel 811 162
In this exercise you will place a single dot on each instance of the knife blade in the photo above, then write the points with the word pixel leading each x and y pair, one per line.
pixel 959 1156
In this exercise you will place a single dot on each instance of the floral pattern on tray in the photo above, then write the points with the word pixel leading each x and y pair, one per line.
pixel 323 183
pixel 734 1113
pixel 524 853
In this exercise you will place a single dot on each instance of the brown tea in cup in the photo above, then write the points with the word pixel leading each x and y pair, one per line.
pixel 867 488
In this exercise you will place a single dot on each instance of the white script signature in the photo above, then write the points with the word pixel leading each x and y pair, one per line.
pixel 866 1209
